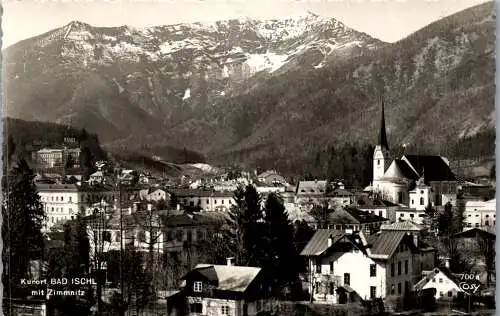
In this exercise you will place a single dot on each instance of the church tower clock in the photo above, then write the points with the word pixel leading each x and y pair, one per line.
pixel 381 156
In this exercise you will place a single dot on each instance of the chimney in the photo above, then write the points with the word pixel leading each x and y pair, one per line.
pixel 447 262
pixel 330 240
pixel 230 261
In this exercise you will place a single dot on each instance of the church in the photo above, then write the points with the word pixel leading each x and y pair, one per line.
pixel 414 181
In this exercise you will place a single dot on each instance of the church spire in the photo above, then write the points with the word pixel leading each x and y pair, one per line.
pixel 383 136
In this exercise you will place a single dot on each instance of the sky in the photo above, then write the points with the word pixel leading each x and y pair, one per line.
pixel 387 20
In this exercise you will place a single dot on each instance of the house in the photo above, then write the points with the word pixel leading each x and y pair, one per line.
pixel 378 207
pixel 394 179
pixel 224 290
pixel 410 214
pixel 96 177
pixel 352 218
pixel 206 200
pixel 157 194
pixel 61 202
pixel 57 157
pixel 271 177
pixel 339 196
pixel 345 266
pixel 181 228
pixel 311 191
pixel 446 283
pixel 480 214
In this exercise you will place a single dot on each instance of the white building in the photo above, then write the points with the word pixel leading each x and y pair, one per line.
pixel 444 281
pixel 410 214
pixel 345 265
pixel 480 214
pixel 61 202
pixel 206 200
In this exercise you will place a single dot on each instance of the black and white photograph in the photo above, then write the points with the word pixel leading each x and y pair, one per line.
pixel 248 157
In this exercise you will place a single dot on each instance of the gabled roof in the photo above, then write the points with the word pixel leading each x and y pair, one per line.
pixel 351 215
pixel 476 232
pixel 319 241
pixel 338 192
pixel 385 243
pixel 436 167
pixel 447 273
pixel 402 226
pixel 312 187
pixel 226 278
pixel 399 170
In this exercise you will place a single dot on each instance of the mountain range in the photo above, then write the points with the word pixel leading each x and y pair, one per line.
pixel 247 89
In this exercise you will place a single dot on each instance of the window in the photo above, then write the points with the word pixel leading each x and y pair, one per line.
pixel 440 280
pixel 441 294
pixel 421 201
pixel 402 215
pixel 378 161
pixel 332 288
pixel 393 289
pixel 222 201
pixel 347 279
pixel 433 280
pixel 196 308
pixel 373 270
pixel 406 266
pixel 380 213
pixel 373 292
pixel 487 223
pixel 141 236
pixel 392 269
pixel 331 267
pixel 197 286
pixel 487 215
pixel 412 201
pixel 477 225
pixel 469 225
pixel 215 201
pixel 106 236
pixel 318 266
pixel 399 288
pixel 412 215
pixel 400 197
pixel 224 310
pixel 399 267
pixel 450 294
pixel 62 198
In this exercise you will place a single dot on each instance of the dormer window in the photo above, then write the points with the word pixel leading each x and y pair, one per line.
pixel 197 287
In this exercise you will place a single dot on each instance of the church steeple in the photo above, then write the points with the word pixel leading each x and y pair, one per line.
pixel 383 135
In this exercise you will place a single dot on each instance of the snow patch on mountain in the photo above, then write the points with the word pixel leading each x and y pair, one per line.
pixel 268 61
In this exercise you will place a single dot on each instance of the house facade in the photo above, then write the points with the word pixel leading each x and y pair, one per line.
pixel 480 214
pixel 61 202
pixel 224 290
pixel 206 200
pixel 347 265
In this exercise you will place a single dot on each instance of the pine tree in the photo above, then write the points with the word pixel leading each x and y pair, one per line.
pixel 281 255
pixel 245 215
pixel 23 217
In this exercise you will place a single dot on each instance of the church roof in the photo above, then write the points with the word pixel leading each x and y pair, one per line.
pixel 383 136
pixel 436 169
pixel 399 170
